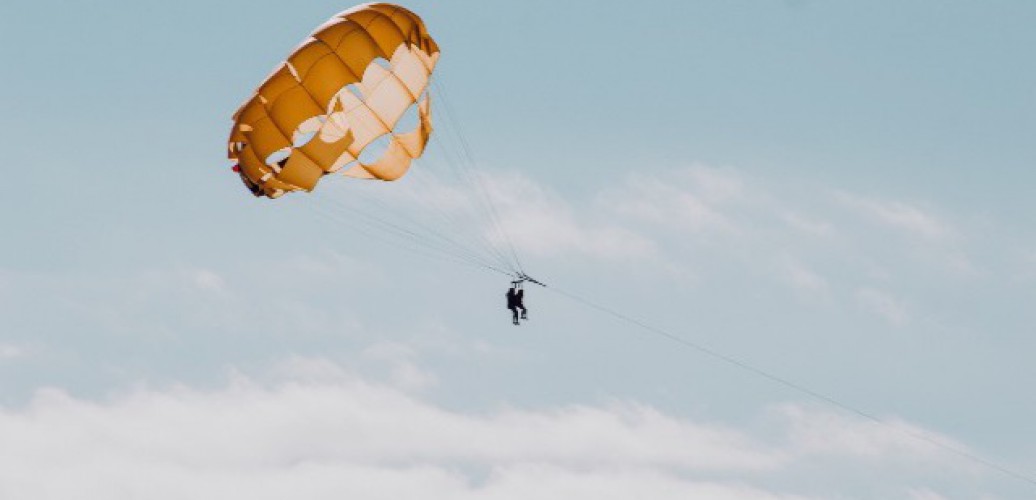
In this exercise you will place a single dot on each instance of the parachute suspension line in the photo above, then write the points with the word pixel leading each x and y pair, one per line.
pixel 374 235
pixel 414 245
pixel 745 366
pixel 477 180
pixel 476 239
pixel 482 190
pixel 356 227
pixel 384 208
pixel 473 236
pixel 482 213
pixel 383 236
pixel 445 246
pixel 406 227
pixel 406 218
pixel 479 212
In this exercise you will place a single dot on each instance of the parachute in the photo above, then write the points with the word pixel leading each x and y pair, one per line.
pixel 346 86
pixel 354 98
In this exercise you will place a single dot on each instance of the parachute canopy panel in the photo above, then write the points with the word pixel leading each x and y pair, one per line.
pixel 343 88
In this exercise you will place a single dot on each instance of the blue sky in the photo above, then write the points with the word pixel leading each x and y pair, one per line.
pixel 835 192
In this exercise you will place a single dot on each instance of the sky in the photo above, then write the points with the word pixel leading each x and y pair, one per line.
pixel 835 193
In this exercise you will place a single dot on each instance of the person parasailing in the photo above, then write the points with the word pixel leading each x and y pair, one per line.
pixel 515 298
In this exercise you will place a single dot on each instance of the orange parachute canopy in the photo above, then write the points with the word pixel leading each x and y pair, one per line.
pixel 343 88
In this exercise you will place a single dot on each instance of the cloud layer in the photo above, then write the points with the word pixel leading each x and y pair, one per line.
pixel 318 431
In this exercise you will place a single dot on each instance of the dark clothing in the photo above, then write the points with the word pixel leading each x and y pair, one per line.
pixel 518 298
pixel 514 303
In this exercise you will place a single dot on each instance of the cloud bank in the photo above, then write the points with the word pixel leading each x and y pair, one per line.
pixel 318 431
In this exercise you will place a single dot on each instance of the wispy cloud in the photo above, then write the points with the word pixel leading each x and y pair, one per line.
pixel 803 278
pixel 401 359
pixel 542 223
pixel 883 305
pixel 830 434
pixel 925 494
pixel 903 216
pixel 811 225
pixel 694 199
pixel 10 351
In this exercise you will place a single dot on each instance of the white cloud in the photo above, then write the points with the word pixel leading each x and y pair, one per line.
pixel 925 494
pixel 807 224
pixel 824 433
pixel 694 200
pixel 321 432
pixel 542 223
pixel 803 278
pixel 716 184
pixel 551 482
pixel 899 215
pixel 10 351
pixel 884 305
pixel 405 373
pixel 1027 266
pixel 208 280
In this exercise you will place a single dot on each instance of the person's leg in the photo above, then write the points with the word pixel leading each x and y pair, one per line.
pixel 514 315
pixel 524 312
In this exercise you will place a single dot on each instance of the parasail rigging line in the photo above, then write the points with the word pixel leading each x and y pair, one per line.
pixel 439 88
pixel 429 236
pixel 441 244
pixel 404 240
pixel 444 210
pixel 479 212
pixel 470 203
